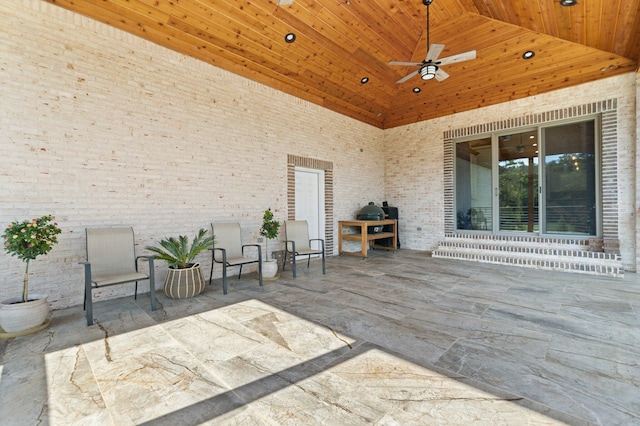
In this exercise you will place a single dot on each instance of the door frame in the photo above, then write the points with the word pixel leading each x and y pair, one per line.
pixel 294 161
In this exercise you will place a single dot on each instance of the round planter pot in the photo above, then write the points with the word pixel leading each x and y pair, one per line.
pixel 269 269
pixel 184 283
pixel 17 317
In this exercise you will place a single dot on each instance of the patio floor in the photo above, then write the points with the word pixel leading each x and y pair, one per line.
pixel 396 339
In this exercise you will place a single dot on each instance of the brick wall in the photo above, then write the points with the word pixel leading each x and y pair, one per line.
pixel 99 127
pixel 634 185
pixel 415 165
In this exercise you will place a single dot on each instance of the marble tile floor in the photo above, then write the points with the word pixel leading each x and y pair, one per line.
pixel 396 339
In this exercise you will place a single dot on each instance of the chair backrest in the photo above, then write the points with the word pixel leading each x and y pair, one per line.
pixel 111 250
pixel 298 231
pixel 228 237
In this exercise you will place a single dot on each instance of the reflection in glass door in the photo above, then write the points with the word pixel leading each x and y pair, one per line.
pixel 518 182
pixel 473 185
pixel 570 179
pixel 542 180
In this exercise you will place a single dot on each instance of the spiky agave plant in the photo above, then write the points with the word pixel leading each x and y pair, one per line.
pixel 177 251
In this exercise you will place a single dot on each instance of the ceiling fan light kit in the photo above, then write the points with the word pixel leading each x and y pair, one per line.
pixel 431 67
pixel 428 71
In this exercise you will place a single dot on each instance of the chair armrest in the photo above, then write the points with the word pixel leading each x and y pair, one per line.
pixel 257 246
pixel 213 254
pixel 293 245
pixel 146 258
pixel 317 239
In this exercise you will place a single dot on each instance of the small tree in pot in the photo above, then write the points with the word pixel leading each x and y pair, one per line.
pixel 270 229
pixel 184 278
pixel 27 240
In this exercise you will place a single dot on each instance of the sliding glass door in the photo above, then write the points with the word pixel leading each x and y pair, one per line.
pixel 473 185
pixel 518 182
pixel 570 179
pixel 542 180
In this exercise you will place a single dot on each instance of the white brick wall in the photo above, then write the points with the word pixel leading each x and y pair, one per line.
pixel 101 128
pixel 633 217
pixel 414 159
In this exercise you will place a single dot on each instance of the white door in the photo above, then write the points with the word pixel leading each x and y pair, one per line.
pixel 310 200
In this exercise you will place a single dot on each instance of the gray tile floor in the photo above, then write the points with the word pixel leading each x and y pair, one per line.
pixel 396 339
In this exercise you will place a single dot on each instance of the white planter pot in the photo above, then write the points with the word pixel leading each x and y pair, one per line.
pixel 19 317
pixel 269 269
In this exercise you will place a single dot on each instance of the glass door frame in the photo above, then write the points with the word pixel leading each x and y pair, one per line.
pixel 496 178
pixel 597 135
pixel 494 229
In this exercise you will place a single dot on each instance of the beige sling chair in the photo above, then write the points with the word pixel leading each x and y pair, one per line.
pixel 111 260
pixel 298 243
pixel 228 250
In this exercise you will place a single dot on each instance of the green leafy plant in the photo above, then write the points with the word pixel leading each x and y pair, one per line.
pixel 177 251
pixel 270 228
pixel 29 239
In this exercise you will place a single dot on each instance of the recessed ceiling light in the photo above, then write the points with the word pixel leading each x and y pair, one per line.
pixel 528 54
pixel 416 90
pixel 290 38
pixel 364 80
pixel 568 2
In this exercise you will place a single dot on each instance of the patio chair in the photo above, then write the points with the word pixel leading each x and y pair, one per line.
pixel 111 260
pixel 228 250
pixel 298 243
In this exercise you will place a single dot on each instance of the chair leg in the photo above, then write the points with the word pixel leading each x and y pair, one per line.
pixel 88 305
pixel 293 257
pixel 284 263
pixel 324 271
pixel 211 274
pixel 260 267
pixel 88 302
pixel 308 261
pixel 135 293
pixel 224 277
pixel 152 285
pixel 240 273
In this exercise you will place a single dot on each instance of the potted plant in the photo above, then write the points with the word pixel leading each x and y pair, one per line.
pixel 184 277
pixel 27 240
pixel 269 230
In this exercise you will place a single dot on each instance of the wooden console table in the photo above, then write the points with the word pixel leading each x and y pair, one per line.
pixel 367 240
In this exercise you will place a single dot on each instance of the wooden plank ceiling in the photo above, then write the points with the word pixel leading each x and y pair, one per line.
pixel 338 42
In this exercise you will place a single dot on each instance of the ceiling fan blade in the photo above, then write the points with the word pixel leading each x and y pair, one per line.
pixel 458 58
pixel 406 64
pixel 434 51
pixel 441 74
pixel 407 77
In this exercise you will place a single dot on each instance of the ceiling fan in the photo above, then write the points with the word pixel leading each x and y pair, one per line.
pixel 431 66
